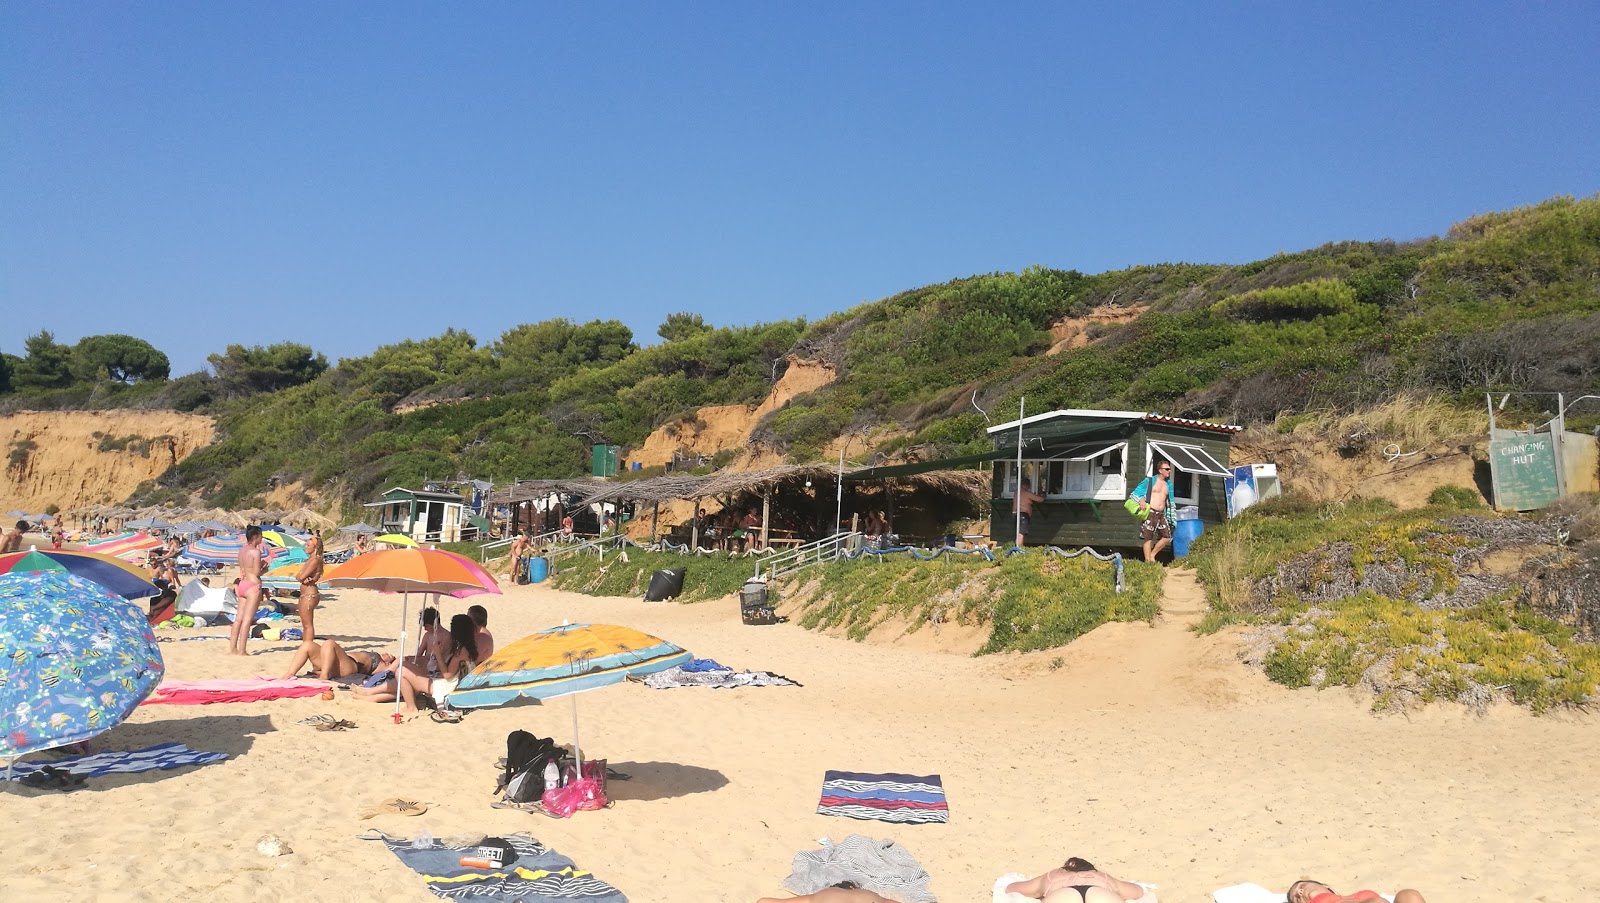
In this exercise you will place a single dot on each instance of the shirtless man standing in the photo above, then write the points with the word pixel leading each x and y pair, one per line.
pixel 249 591
pixel 12 541
pixel 1026 499
pixel 519 548
pixel 310 572
pixel 1156 530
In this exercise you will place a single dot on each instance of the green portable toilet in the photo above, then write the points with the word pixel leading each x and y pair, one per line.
pixel 603 460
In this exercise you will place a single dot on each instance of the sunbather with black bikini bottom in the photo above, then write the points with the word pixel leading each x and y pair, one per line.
pixel 330 660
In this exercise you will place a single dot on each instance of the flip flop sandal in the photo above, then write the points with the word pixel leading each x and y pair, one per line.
pixel 51 778
pixel 447 716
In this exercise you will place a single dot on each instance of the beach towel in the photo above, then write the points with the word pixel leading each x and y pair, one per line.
pixel 681 676
pixel 259 689
pixel 154 758
pixel 881 866
pixel 905 799
pixel 537 874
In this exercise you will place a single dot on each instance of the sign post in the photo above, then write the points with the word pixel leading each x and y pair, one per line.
pixel 1524 471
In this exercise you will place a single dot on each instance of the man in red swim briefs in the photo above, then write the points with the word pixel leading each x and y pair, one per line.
pixel 249 591
pixel 1307 891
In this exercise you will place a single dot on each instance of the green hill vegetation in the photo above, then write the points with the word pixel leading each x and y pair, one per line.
pixel 1504 300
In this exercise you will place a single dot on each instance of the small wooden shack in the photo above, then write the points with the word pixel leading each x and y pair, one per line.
pixel 423 515
pixel 1086 462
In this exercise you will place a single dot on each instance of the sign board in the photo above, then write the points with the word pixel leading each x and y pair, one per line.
pixel 1524 472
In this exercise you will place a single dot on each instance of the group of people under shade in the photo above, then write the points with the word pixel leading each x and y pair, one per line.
pixel 1078 881
pixel 443 657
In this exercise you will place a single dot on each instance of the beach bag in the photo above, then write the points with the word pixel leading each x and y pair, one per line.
pixel 579 795
pixel 522 775
pixel 1139 498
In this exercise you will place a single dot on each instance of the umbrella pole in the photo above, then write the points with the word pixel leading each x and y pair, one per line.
pixel 400 657
pixel 577 750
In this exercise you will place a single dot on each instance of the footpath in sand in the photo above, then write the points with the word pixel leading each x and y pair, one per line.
pixel 1148 750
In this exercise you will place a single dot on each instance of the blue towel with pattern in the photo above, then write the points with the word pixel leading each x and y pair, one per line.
pixel 156 758
pixel 537 874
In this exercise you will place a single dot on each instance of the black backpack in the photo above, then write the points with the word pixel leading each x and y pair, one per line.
pixel 522 777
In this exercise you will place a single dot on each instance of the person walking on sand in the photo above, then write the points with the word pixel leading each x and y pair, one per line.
pixel 249 589
pixel 1023 506
pixel 1156 530
pixel 308 576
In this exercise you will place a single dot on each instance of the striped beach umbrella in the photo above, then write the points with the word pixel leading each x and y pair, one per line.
pixel 223 549
pixel 565 661
pixel 114 574
pixel 127 546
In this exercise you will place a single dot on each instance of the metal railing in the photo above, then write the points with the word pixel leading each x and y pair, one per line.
pixel 494 544
pixel 821 551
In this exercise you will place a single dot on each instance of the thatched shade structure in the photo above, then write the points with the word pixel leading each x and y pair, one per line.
pixel 968 485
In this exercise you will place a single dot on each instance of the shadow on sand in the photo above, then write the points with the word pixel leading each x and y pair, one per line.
pixel 230 734
pixel 662 781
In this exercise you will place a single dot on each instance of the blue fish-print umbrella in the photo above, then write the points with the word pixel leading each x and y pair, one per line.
pixel 75 660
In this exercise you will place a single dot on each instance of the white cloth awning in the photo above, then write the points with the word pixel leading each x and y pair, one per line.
pixel 1190 458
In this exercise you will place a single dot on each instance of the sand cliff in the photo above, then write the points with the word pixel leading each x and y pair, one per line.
pixel 76 458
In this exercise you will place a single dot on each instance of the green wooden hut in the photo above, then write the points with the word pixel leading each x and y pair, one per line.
pixel 1085 463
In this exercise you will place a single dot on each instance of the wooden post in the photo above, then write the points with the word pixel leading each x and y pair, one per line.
pixel 694 531
pixel 654 514
pixel 766 515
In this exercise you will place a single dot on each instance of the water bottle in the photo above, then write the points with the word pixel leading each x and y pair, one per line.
pixel 423 840
pixel 552 775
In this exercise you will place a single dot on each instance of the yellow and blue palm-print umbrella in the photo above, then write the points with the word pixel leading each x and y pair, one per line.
pixel 564 661
pixel 75 659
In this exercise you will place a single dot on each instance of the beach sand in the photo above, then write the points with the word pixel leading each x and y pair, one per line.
pixel 1148 750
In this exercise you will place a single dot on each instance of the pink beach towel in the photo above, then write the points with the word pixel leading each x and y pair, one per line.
pixel 256 689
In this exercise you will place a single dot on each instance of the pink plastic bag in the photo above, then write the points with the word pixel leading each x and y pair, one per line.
pixel 584 794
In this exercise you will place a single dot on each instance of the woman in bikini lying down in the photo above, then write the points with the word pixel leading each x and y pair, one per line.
pixel 1077 881
pixel 1307 891
pixel 329 660
pixel 843 892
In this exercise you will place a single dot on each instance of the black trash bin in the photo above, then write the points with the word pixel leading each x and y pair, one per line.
pixel 754 604
pixel 667 584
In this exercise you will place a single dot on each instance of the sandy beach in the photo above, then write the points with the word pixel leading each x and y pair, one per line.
pixel 1148 750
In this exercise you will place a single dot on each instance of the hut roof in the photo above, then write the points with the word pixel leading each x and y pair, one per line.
pixel 671 487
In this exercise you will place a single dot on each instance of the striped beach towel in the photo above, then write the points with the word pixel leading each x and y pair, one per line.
pixel 154 758
pixel 905 799
pixel 538 874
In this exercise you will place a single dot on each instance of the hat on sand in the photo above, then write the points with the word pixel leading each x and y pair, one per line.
pixel 394 807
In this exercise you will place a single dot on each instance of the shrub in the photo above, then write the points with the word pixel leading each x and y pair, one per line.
pixel 1455 497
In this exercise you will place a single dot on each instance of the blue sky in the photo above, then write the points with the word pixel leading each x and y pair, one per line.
pixel 348 175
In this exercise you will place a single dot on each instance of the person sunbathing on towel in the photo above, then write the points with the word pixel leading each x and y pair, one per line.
pixel 1307 891
pixel 843 892
pixel 1077 881
pixel 329 660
